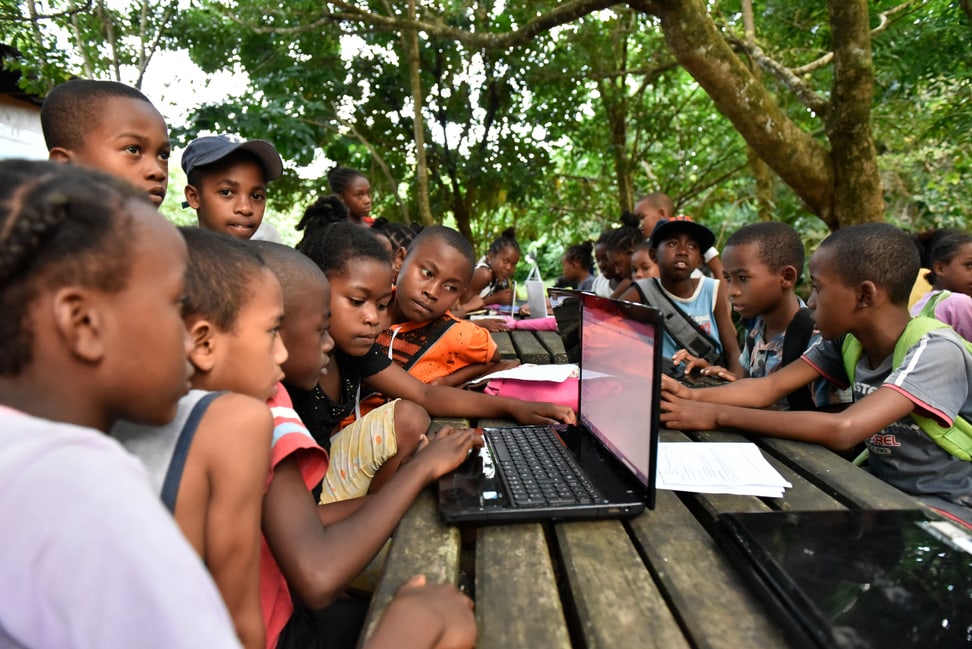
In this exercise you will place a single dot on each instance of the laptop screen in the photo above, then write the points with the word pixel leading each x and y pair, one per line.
pixel 619 379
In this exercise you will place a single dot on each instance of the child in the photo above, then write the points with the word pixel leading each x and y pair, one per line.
pixel 620 247
pixel 658 206
pixel 316 550
pixel 950 261
pixel 577 263
pixel 210 463
pixel 429 342
pixel 108 126
pixel 642 265
pixel 861 276
pixel 676 246
pixel 91 281
pixel 354 190
pixel 605 282
pixel 491 276
pixel 227 182
pixel 360 277
pixel 763 263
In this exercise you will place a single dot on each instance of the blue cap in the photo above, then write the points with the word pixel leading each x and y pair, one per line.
pixel 212 148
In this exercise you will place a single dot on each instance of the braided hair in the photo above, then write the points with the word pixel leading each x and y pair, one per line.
pixel 507 239
pixel 59 225
pixel 339 178
pixel 320 215
pixel 335 247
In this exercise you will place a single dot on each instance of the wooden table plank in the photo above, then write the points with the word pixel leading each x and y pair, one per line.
pixel 615 600
pixel 517 600
pixel 528 348
pixel 714 603
pixel 504 344
pixel 554 344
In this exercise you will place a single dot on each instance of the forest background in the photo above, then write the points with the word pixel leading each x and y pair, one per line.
pixel 554 117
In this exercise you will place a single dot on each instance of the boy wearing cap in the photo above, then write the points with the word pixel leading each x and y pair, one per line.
pixel 676 247
pixel 228 178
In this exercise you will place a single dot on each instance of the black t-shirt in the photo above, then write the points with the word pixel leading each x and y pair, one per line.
pixel 319 413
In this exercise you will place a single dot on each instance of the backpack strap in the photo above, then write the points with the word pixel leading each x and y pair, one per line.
pixel 928 311
pixel 957 440
pixel 795 341
pixel 678 324
pixel 173 476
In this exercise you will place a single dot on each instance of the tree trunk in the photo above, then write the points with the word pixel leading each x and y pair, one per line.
pixel 421 165
pixel 765 199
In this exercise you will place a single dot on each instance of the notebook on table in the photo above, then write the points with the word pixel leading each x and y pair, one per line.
pixel 858 578
pixel 602 467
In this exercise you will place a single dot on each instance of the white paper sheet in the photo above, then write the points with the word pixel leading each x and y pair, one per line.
pixel 718 468
pixel 557 373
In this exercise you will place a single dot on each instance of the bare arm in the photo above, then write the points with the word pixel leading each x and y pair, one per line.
pixel 441 401
pixel 319 561
pixel 232 445
pixel 470 300
pixel 421 616
pixel 839 431
pixel 727 330
pixel 623 288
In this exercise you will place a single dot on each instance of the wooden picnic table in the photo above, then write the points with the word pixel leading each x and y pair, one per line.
pixel 657 580
pixel 540 347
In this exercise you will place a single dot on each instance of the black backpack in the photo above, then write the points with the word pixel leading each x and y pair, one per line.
pixel 795 341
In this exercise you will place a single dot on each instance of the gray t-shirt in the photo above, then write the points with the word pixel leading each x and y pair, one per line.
pixel 936 375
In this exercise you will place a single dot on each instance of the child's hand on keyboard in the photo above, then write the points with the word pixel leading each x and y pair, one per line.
pixel 536 412
pixel 446 449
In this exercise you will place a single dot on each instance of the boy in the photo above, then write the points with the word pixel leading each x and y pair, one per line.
pixel 210 463
pixel 655 207
pixel 321 548
pixel 763 263
pixel 108 126
pixel 862 276
pixel 676 246
pixel 91 280
pixel 227 182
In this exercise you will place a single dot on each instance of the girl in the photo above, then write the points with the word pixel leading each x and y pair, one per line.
pixel 642 265
pixel 620 248
pixel 577 264
pixel 491 276
pixel 91 331
pixel 605 282
pixel 950 261
pixel 353 188
pixel 360 274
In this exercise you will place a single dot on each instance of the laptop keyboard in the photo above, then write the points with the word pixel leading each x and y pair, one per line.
pixel 538 469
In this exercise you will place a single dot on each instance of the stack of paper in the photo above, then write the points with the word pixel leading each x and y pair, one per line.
pixel 718 468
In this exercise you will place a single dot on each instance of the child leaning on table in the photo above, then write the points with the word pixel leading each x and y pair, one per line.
pixel 359 273
pixel 91 285
pixel 210 463
pixel 762 265
pixel 676 247
pixel 111 127
pixel 490 283
pixel 861 277
pixel 315 551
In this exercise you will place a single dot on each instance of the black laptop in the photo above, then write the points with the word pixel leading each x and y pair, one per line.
pixel 604 466
pixel 858 578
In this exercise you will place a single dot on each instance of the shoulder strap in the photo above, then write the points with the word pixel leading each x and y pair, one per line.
pixel 928 311
pixel 795 341
pixel 957 440
pixel 678 324
pixel 429 342
pixel 170 487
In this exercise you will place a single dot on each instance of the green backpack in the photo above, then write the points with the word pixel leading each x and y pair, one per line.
pixel 957 440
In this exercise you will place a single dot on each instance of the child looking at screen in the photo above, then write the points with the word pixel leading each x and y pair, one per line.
pixel 91 286
pixel 227 182
pixel 111 127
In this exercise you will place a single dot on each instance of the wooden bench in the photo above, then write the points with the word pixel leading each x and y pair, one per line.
pixel 657 580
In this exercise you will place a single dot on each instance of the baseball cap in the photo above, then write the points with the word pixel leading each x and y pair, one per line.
pixel 668 227
pixel 212 148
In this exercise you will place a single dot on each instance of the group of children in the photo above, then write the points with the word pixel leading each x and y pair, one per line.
pixel 278 399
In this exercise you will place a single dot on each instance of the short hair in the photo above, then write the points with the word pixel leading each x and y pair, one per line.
pixel 339 178
pixel 506 239
pixel 777 244
pixel 660 201
pixel 219 276
pixel 293 269
pixel 72 109
pixel 582 253
pixel 450 237
pixel 875 252
pixel 334 248
pixel 60 225
pixel 399 234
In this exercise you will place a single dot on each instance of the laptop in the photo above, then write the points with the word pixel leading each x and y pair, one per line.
pixel 858 578
pixel 613 446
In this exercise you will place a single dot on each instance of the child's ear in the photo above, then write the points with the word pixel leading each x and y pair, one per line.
pixel 79 323
pixel 867 294
pixel 399 258
pixel 203 335
pixel 59 154
pixel 651 253
pixel 939 269
pixel 788 276
pixel 192 197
